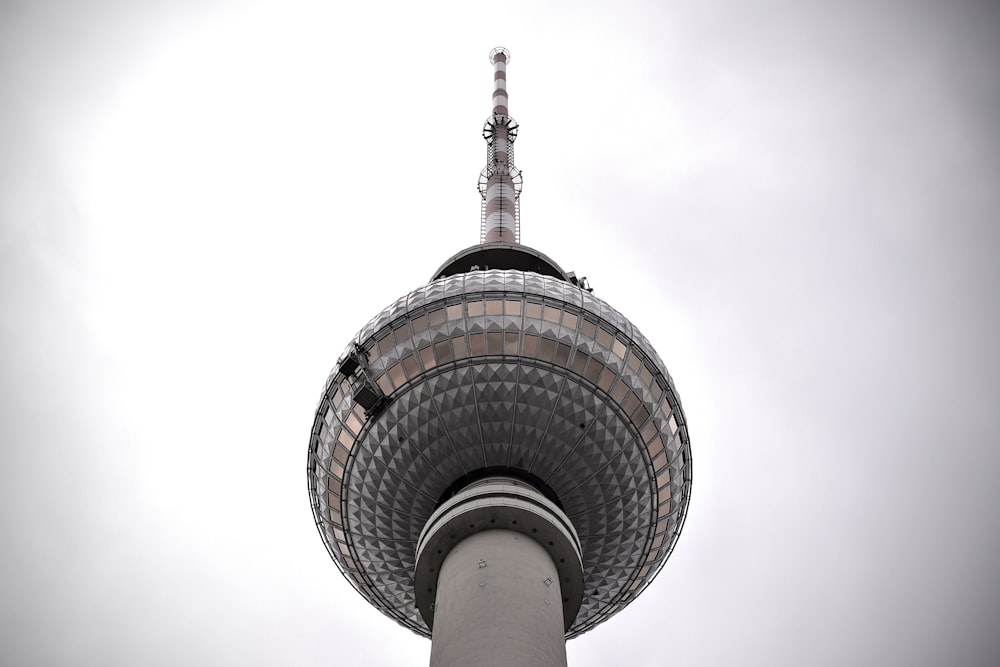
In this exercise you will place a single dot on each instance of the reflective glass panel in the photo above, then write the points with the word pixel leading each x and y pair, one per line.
pixel 444 352
pixel 437 317
pixel 427 358
pixel 494 342
pixel 530 345
pixel 477 344
pixel 562 354
pixel 510 343
pixel 459 347
pixel 410 366
pixel 396 375
pixel 353 423
pixel 607 377
pixel 401 333
pixel 604 338
pixel 655 447
pixel 385 343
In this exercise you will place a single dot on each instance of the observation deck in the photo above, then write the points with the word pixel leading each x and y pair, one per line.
pixel 500 371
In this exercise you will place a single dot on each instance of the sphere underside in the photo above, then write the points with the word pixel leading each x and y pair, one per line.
pixel 502 369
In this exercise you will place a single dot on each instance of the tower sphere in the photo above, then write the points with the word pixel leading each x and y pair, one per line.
pixel 504 370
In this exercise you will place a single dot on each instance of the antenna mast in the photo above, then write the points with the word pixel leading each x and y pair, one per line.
pixel 500 181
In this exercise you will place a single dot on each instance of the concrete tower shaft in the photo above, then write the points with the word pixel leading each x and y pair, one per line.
pixel 495 560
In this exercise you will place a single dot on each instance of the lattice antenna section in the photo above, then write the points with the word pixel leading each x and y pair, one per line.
pixel 500 182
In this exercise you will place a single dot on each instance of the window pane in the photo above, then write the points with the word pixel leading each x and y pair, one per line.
pixel 494 307
pixel 607 377
pixel 562 354
pixel 401 332
pixel 477 343
pixel 655 447
pixel 510 343
pixel 630 403
pixel 459 347
pixel 410 366
pixel 385 343
pixel 604 338
pixel 353 423
pixel 546 349
pixel 427 358
pixel 665 508
pixel 444 352
pixel 530 345
pixel 619 392
pixel 594 368
pixel 640 415
pixel 633 361
pixel 648 431
pixel 645 376
pixel 494 342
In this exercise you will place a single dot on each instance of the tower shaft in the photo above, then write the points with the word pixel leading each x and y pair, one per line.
pixel 494 607
pixel 499 577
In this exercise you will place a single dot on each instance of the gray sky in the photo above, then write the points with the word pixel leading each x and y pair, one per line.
pixel 797 203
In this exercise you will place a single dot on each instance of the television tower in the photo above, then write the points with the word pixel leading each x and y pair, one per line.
pixel 499 460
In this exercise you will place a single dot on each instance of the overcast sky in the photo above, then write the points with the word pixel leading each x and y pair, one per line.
pixel 797 202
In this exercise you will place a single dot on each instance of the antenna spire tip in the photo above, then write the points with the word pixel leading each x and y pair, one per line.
pixel 498 51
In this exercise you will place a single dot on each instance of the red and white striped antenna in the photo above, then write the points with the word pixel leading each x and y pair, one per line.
pixel 500 182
